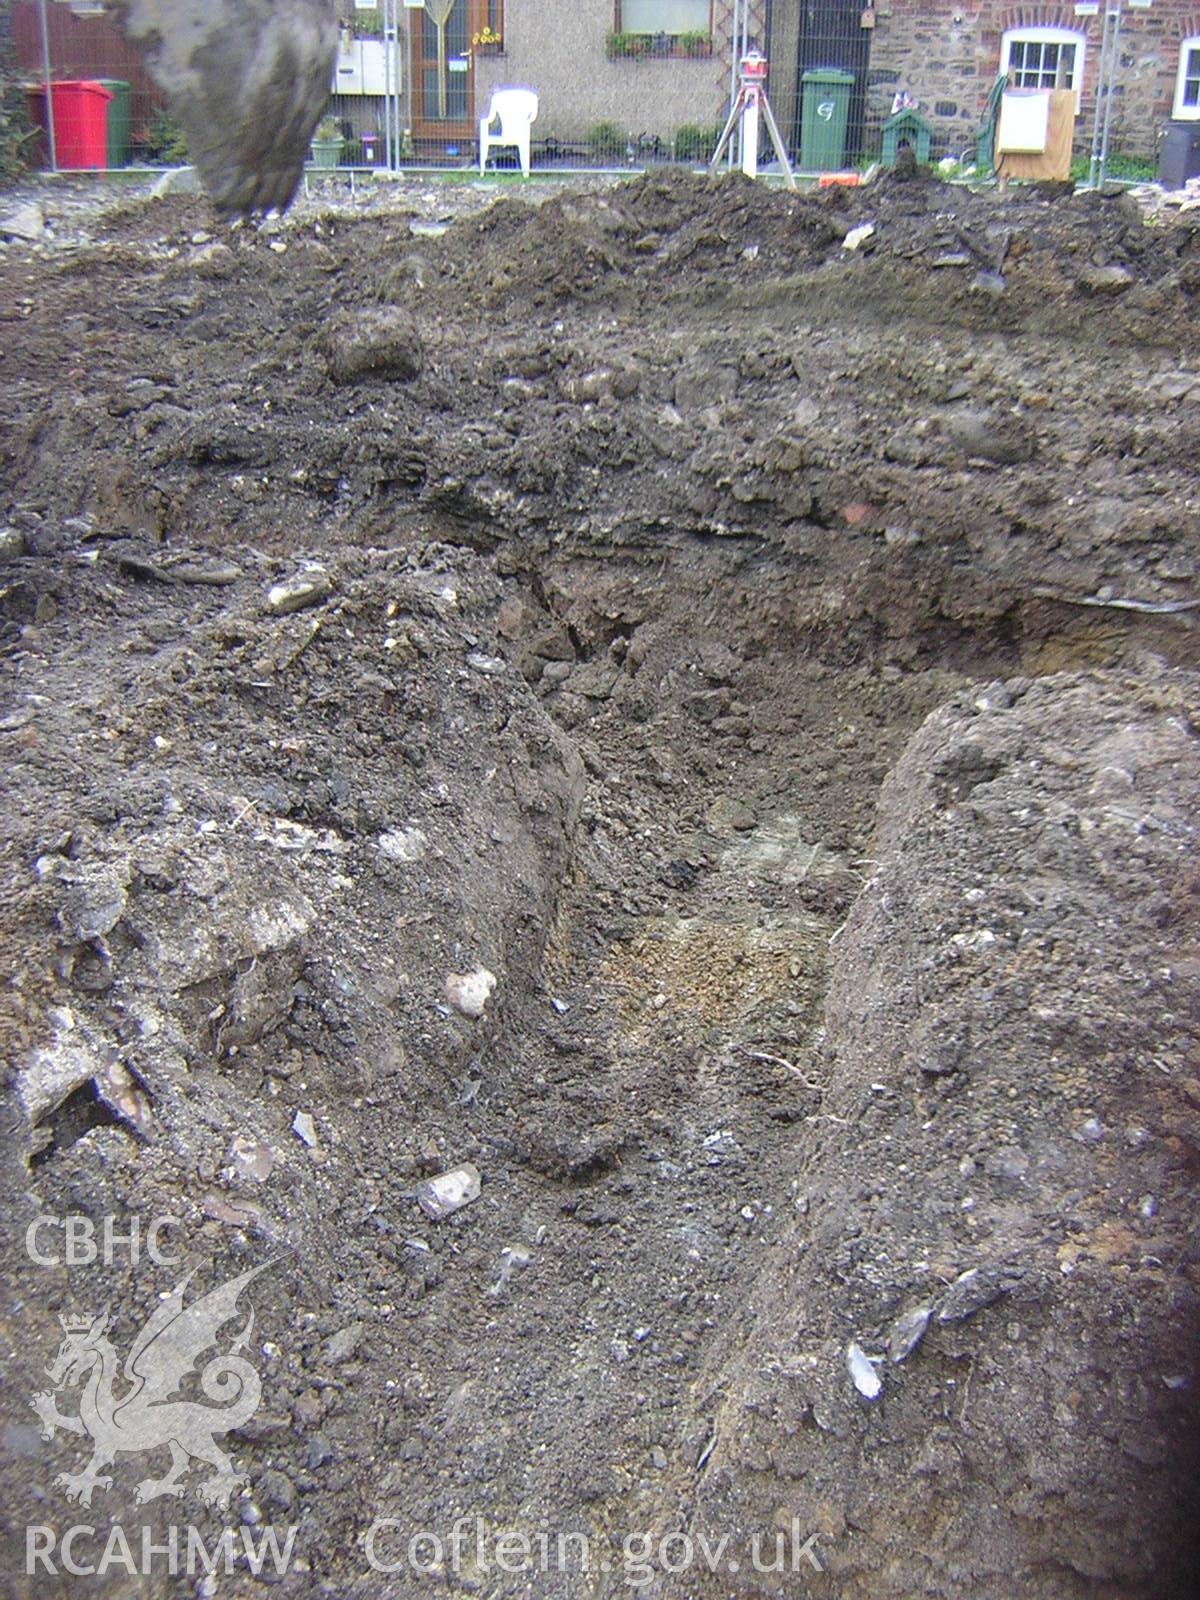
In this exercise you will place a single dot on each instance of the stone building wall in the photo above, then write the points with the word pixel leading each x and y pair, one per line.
pixel 947 54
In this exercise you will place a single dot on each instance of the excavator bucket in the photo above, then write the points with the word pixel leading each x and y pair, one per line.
pixel 248 80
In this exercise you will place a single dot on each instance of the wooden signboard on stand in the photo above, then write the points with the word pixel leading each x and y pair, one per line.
pixel 1025 119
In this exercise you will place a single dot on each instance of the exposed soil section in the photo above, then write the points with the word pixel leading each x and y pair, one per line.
pixel 772 662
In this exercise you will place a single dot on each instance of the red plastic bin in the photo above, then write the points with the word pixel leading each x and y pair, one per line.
pixel 81 124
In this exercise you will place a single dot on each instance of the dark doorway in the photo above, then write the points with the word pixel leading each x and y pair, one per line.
pixel 832 35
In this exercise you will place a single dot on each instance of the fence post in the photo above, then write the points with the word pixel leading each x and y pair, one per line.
pixel 45 26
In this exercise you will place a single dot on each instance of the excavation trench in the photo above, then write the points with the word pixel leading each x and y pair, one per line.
pixel 795 714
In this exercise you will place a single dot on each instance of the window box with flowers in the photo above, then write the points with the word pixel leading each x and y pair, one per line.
pixel 672 46
pixel 487 43
pixel 627 46
pixel 672 28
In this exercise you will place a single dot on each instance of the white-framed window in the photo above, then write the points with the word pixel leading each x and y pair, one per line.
pixel 1187 88
pixel 664 16
pixel 1034 58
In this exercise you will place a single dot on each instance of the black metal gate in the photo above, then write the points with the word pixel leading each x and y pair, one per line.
pixel 832 35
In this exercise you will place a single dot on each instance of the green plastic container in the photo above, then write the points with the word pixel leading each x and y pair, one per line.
pixel 824 118
pixel 120 122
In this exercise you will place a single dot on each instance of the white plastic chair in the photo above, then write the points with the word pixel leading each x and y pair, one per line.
pixel 517 110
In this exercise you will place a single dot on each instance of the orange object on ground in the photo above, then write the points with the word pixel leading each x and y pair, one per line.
pixel 847 180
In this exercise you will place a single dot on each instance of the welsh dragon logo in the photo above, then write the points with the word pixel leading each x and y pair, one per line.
pixel 146 1416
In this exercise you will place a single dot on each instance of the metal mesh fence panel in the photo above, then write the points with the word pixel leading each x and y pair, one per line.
pixel 621 84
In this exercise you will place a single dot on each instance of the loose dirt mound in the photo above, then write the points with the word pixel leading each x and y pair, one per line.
pixel 995 1201
pixel 552 599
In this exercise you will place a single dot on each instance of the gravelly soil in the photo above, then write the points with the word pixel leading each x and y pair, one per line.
pixel 644 531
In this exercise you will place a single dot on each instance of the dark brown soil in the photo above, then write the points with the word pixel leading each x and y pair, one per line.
pixel 646 531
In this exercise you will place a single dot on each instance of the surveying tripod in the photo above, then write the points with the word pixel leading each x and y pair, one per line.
pixel 751 99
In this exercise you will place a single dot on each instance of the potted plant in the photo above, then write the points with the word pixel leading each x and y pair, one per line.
pixel 695 43
pixel 326 149
pixel 633 45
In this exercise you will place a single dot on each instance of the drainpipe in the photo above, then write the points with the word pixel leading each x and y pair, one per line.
pixel 389 54
pixel 1112 84
pixel 733 75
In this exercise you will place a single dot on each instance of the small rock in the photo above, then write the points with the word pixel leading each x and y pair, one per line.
pixel 403 844
pixel 990 436
pixel 179 180
pixel 250 1158
pixel 307 588
pixel 12 543
pixel 1104 280
pixel 907 1332
pixel 969 1293
pixel 276 1490
pixel 728 812
pixel 95 901
pixel 469 992
pixel 659 1457
pixel 700 385
pixel 116 1088
pixel 305 1129
pixel 380 342
pixel 27 223
pixel 857 237
pixel 589 387
pixel 490 666
pixel 679 874
pixel 449 1192
pixel 1009 1162
pixel 235 1213
pixel 806 413
pixel 513 1258
pixel 343 1344
pixel 309 1409
pixel 986 281
pixel 866 1380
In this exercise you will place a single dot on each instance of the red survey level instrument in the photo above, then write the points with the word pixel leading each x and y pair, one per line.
pixel 751 101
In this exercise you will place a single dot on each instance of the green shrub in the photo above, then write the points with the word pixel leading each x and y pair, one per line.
pixel 694 143
pixel 15 130
pixel 607 141
pixel 166 140
pixel 15 137
pixel 627 44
